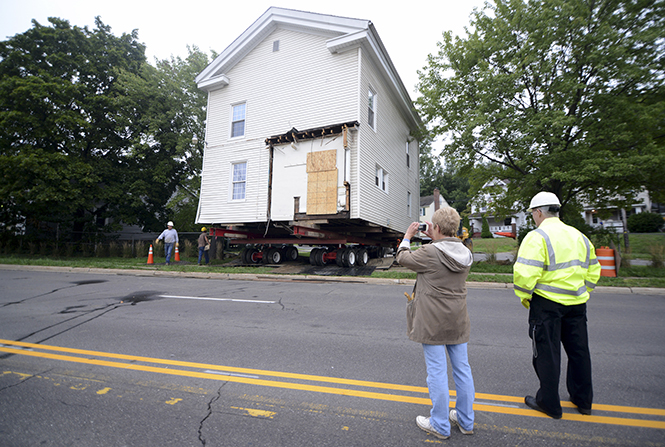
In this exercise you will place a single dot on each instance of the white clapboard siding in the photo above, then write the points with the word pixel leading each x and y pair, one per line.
pixel 302 85
pixel 387 148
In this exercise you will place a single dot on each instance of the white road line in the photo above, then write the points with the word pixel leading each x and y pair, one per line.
pixel 221 373
pixel 216 299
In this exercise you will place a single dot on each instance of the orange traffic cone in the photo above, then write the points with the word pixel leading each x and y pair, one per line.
pixel 177 254
pixel 150 258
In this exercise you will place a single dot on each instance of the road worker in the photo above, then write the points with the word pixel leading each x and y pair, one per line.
pixel 555 270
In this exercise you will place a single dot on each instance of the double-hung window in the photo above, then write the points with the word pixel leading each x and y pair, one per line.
pixel 371 109
pixel 239 181
pixel 408 161
pixel 238 120
pixel 381 178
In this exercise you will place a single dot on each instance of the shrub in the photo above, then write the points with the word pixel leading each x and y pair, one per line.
pixel 657 253
pixel 127 249
pixel 645 223
pixel 486 233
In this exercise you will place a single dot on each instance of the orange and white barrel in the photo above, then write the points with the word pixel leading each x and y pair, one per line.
pixel 605 257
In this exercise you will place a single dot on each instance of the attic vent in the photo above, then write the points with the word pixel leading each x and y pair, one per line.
pixel 275 46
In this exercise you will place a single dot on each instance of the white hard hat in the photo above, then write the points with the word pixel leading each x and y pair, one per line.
pixel 543 199
pixel 169 224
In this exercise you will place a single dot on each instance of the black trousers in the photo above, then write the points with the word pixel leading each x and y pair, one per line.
pixel 550 326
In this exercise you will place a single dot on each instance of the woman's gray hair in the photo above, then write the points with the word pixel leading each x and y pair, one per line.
pixel 447 219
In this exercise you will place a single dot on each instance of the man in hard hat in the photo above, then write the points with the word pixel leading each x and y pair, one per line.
pixel 170 236
pixel 204 245
pixel 555 270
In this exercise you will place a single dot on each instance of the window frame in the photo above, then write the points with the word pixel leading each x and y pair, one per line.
pixel 381 177
pixel 234 121
pixel 408 158
pixel 371 108
pixel 233 182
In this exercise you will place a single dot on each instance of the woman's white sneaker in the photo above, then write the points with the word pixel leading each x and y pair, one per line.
pixel 453 419
pixel 423 423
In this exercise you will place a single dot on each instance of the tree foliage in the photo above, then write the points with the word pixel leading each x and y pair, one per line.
pixel 565 96
pixel 89 130
pixel 452 186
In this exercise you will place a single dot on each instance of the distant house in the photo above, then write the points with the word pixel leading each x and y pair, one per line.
pixel 308 120
pixel 427 206
pixel 481 206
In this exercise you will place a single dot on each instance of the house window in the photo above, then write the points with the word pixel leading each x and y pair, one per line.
pixel 423 211
pixel 275 46
pixel 408 162
pixel 371 109
pixel 238 121
pixel 239 181
pixel 408 203
pixel 381 179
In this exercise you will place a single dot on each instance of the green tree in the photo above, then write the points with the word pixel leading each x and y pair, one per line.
pixel 62 140
pixel 89 130
pixel 167 110
pixel 557 95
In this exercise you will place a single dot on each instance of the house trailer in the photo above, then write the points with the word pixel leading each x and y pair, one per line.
pixel 309 140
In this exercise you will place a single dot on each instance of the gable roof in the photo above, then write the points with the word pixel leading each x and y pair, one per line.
pixel 428 200
pixel 343 34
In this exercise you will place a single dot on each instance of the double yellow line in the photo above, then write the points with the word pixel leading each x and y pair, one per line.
pixel 491 403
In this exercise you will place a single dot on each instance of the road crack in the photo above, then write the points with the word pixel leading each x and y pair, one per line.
pixel 210 404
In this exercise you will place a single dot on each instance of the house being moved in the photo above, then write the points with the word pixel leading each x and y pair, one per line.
pixel 309 127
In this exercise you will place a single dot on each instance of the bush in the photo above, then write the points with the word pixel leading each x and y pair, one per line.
pixel 645 223
pixel 485 232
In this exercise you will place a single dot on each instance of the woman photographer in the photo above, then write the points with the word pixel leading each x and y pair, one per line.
pixel 437 317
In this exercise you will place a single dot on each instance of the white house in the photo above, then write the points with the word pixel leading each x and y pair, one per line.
pixel 308 120
pixel 483 206
pixel 427 206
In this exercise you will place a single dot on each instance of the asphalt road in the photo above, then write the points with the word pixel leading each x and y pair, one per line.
pixel 112 360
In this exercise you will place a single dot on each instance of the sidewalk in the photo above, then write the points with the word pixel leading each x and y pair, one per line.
pixel 293 278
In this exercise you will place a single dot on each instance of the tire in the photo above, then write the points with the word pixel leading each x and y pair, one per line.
pixel 274 256
pixel 312 255
pixel 251 256
pixel 338 259
pixel 243 256
pixel 291 253
pixel 363 257
pixel 320 257
pixel 351 258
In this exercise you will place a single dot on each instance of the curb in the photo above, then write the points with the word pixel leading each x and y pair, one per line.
pixel 296 278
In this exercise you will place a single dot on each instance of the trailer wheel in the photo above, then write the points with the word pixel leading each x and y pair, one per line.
pixel 252 256
pixel 312 255
pixel 338 258
pixel 362 257
pixel 243 256
pixel 274 256
pixel 291 253
pixel 351 258
pixel 320 260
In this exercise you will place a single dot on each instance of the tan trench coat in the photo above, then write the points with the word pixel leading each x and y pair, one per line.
pixel 437 315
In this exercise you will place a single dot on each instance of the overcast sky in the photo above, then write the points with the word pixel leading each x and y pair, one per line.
pixel 409 30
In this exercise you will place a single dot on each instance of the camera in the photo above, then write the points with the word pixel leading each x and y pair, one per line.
pixel 422 227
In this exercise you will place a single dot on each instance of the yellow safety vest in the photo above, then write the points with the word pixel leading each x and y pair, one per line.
pixel 558 262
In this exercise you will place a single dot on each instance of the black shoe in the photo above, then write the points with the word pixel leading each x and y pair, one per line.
pixel 530 401
pixel 584 411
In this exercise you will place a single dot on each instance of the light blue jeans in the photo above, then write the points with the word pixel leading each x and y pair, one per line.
pixel 437 383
